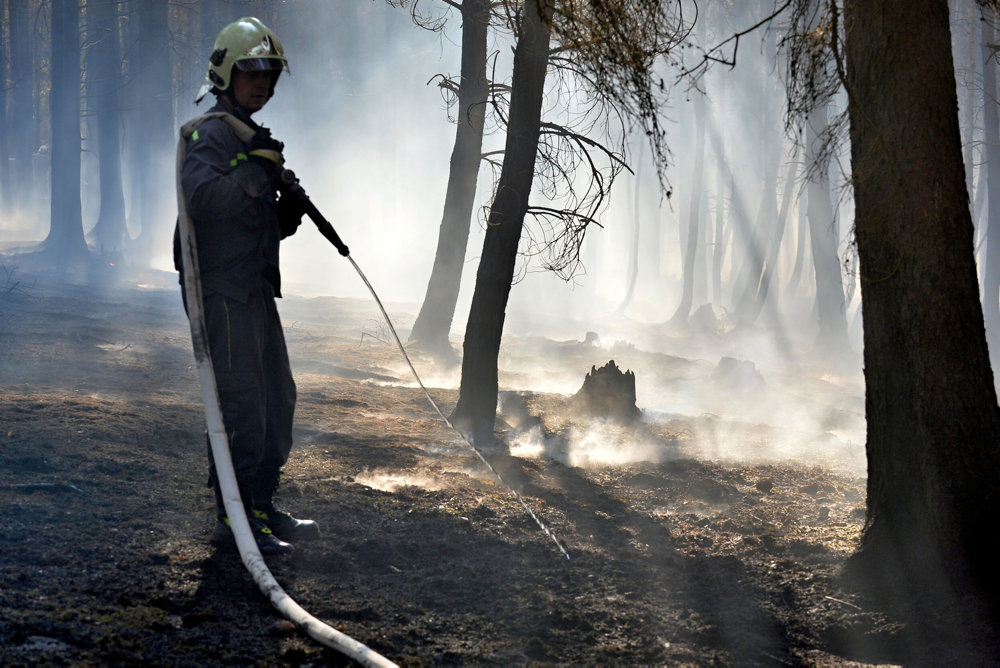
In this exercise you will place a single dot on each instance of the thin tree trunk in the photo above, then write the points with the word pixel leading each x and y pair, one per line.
pixel 722 230
pixel 802 232
pixel 433 323
pixel 151 131
pixel 475 412
pixel 768 276
pixel 109 233
pixel 65 239
pixel 824 236
pixel 991 121
pixel 933 419
pixel 5 204
pixel 20 116
pixel 766 232
pixel 652 259
pixel 41 48
pixel 633 257
pixel 739 228
pixel 973 53
pixel 680 316
pixel 724 189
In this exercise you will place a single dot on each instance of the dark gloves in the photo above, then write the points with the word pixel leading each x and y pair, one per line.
pixel 290 212
pixel 265 150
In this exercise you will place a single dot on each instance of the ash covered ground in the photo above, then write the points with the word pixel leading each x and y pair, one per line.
pixel 694 540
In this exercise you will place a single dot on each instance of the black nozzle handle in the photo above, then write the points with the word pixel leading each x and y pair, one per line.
pixel 290 185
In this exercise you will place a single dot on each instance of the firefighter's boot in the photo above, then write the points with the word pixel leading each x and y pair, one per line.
pixel 283 525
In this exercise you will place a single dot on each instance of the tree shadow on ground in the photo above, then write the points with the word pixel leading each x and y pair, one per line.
pixel 716 602
pixel 741 606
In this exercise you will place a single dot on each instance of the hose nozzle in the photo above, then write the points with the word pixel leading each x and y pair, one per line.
pixel 289 185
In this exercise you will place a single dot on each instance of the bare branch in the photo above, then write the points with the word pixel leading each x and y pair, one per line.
pixel 613 47
pixel 708 57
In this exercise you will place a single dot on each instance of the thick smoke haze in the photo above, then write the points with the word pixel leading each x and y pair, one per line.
pixel 370 139
pixel 371 148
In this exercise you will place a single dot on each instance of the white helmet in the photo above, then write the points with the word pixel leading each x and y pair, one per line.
pixel 248 45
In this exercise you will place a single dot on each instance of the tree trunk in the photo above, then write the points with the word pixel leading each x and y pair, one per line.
pixel 991 123
pixel 764 230
pixel 723 231
pixel 151 131
pixel 802 232
pixel 768 276
pixel 824 237
pixel 5 204
pixel 738 226
pixel 680 316
pixel 762 237
pixel 475 412
pixel 20 119
pixel 433 323
pixel 109 233
pixel 632 276
pixel 933 420
pixel 65 239
pixel 973 54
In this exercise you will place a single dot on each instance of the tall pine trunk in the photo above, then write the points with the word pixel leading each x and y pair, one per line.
pixel 152 123
pixel 690 242
pixel 764 231
pixel 433 323
pixel 475 412
pixel 723 231
pixel 991 123
pixel 632 275
pixel 801 234
pixel 4 147
pixel 65 242
pixel 768 276
pixel 933 420
pixel 824 237
pixel 737 231
pixel 20 119
pixel 109 233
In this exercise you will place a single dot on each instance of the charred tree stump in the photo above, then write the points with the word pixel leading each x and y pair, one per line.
pixel 607 393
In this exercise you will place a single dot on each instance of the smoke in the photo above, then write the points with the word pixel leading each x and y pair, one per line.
pixel 371 142
pixel 390 481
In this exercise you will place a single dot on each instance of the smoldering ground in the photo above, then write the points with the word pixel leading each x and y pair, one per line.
pixel 677 556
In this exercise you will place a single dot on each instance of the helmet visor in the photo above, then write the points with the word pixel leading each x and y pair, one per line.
pixel 261 64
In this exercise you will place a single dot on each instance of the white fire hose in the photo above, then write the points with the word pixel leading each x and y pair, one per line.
pixel 245 542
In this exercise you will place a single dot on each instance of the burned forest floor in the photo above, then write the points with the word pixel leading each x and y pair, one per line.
pixel 682 552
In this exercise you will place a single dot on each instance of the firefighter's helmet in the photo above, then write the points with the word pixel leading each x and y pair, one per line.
pixel 248 45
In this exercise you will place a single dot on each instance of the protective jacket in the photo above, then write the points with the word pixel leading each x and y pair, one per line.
pixel 231 202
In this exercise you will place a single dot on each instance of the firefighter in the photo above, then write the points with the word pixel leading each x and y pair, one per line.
pixel 231 195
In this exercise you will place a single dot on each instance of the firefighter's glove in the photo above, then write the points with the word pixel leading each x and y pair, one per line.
pixel 265 150
pixel 291 208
